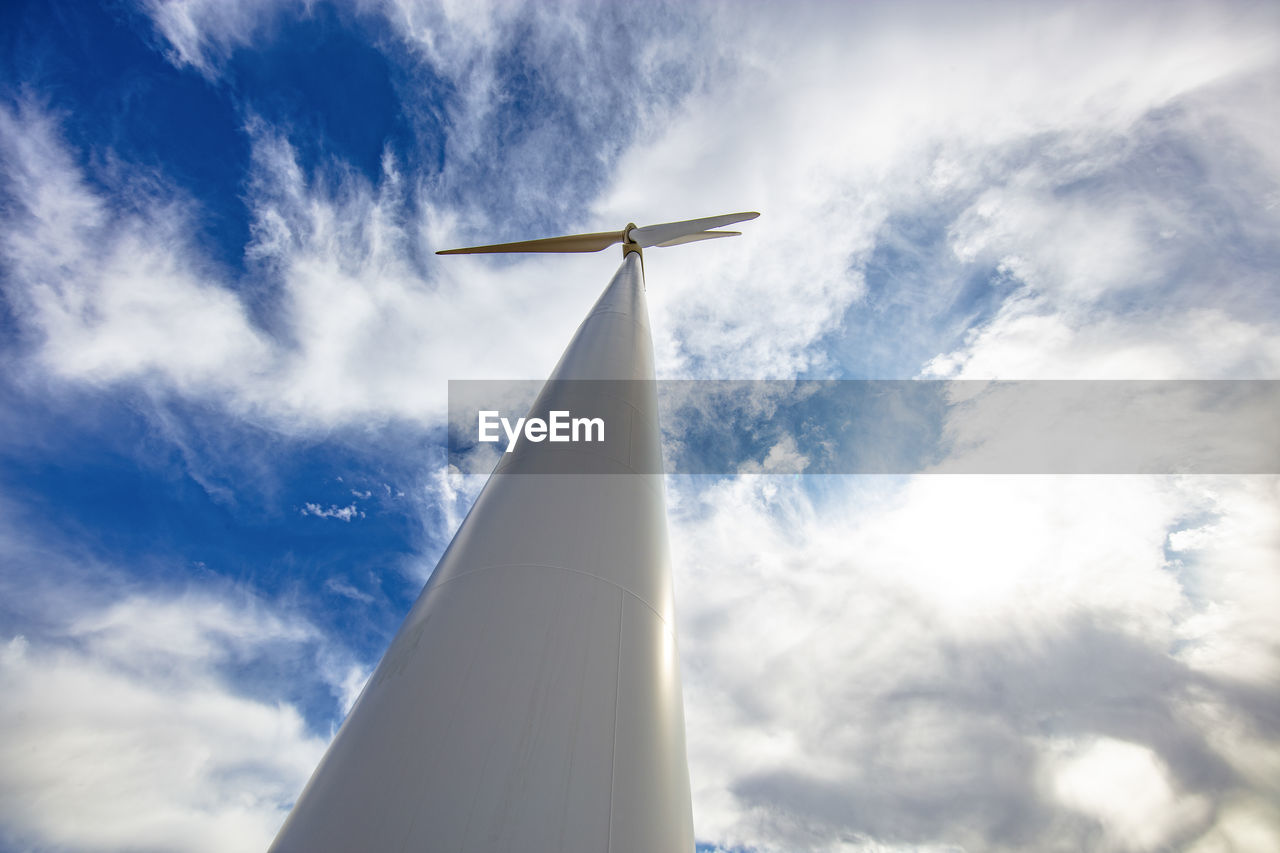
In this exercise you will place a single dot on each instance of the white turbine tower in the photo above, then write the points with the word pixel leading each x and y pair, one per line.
pixel 531 700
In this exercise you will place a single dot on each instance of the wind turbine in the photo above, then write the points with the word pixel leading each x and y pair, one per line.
pixel 531 699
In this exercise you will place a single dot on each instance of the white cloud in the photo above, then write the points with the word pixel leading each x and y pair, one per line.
pixel 116 298
pixel 1247 824
pixel 1233 559
pixel 783 457
pixel 444 499
pixel 346 590
pixel 203 33
pixel 900 660
pixel 121 732
pixel 1127 788
pixel 374 334
pixel 342 513
pixel 353 684
pixel 1026 340
pixel 114 295
pixel 202 629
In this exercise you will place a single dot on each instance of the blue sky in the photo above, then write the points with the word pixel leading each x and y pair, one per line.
pixel 226 347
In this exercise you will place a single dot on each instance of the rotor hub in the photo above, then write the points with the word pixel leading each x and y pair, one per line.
pixel 629 245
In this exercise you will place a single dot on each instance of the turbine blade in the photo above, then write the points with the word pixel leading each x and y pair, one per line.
pixel 656 235
pixel 705 235
pixel 571 243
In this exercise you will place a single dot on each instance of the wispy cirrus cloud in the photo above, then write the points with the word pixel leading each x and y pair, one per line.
pixel 105 288
pixel 203 33
pixel 108 296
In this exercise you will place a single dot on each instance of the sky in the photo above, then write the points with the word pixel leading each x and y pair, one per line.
pixel 227 345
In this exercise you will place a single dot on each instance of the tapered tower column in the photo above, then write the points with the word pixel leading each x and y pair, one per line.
pixel 531 700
